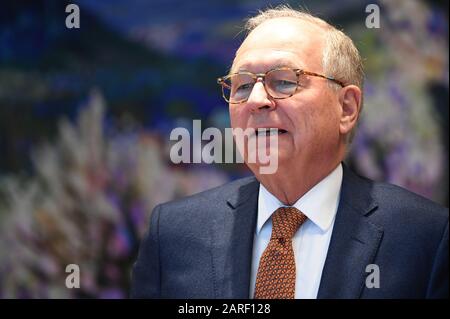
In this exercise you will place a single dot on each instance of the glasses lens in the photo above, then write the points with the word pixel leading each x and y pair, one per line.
pixel 237 87
pixel 281 83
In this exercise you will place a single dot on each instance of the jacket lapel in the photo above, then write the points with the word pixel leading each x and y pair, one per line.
pixel 354 242
pixel 232 241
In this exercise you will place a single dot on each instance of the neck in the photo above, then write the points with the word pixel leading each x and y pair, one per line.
pixel 289 185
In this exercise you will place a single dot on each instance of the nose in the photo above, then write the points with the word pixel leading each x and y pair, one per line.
pixel 259 99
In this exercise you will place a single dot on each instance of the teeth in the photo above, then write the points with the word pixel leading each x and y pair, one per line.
pixel 268 131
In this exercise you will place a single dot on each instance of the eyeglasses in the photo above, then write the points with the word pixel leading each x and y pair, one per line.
pixel 280 83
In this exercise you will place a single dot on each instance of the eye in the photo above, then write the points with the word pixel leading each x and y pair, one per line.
pixel 244 87
pixel 284 83
pixel 243 90
pixel 284 86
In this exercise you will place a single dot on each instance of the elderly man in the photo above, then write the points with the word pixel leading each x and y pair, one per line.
pixel 311 229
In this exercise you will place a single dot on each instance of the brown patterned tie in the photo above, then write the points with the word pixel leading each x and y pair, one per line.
pixel 276 272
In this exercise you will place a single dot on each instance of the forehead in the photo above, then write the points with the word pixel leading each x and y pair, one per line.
pixel 281 42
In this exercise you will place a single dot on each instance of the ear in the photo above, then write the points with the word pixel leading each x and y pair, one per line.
pixel 350 101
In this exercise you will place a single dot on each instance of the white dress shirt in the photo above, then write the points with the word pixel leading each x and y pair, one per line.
pixel 311 241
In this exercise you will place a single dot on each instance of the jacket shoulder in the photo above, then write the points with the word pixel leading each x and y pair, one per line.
pixel 395 206
pixel 188 218
pixel 209 197
pixel 396 198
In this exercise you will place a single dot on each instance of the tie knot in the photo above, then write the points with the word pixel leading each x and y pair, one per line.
pixel 286 221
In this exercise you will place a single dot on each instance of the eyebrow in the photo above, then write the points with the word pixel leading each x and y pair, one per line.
pixel 277 65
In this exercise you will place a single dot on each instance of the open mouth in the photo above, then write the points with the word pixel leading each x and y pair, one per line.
pixel 269 131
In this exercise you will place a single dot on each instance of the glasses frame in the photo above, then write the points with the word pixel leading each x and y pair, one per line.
pixel 262 76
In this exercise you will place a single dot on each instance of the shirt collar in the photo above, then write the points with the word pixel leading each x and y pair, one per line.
pixel 319 204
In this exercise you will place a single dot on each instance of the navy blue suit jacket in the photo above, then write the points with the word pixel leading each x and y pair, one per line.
pixel 201 246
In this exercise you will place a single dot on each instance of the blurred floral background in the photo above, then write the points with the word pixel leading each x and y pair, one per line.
pixel 86 114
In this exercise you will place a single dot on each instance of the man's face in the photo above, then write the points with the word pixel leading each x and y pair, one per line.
pixel 311 116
